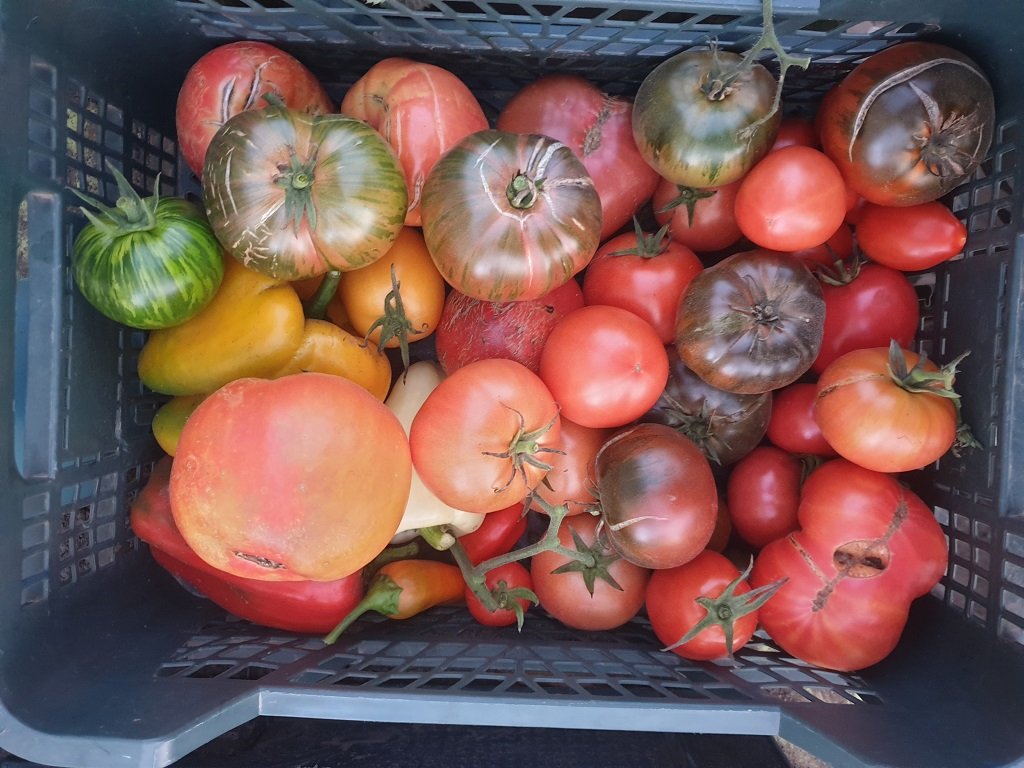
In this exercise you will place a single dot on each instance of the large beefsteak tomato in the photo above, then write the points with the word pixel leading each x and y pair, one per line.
pixel 294 196
pixel 302 477
pixel 421 109
pixel 510 216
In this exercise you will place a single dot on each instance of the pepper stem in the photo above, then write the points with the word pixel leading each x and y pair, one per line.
pixel 381 596
pixel 316 307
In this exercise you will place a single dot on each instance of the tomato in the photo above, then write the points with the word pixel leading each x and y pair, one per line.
pixel 909 123
pixel 910 238
pixel 763 491
pixel 794 198
pixel 645 273
pixel 422 110
pixel 412 313
pixel 293 196
pixel 838 247
pixel 658 496
pixel 866 305
pixel 707 600
pixel 866 549
pixel 701 219
pixel 475 329
pixel 235 77
pixel 603 593
pixel 792 426
pixel 146 263
pixel 751 323
pixel 724 425
pixel 570 480
pixel 699 141
pixel 268 471
pixel 497 535
pixel 796 130
pixel 598 128
pixel 481 438
pixel 604 365
pixel 874 409
pixel 510 216
pixel 508 581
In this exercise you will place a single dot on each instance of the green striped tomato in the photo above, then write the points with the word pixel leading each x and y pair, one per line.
pixel 510 216
pixel 696 117
pixel 147 263
pixel 294 195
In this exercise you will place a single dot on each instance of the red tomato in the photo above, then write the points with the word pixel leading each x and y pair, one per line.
pixel 693 599
pixel 910 238
pixel 268 471
pixel 866 549
pixel 235 77
pixel 570 480
pixel 604 365
pixel 702 219
pixel 658 496
pixel 792 426
pixel 866 306
pixel 793 198
pixel 795 130
pixel 475 329
pixel 598 128
pixel 602 594
pixel 644 273
pixel 421 110
pixel 869 416
pixel 479 436
pixel 763 491
pixel 504 579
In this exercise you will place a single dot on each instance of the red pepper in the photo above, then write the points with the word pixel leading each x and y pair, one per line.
pixel 497 535
pixel 312 607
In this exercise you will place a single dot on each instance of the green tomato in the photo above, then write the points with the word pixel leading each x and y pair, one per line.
pixel 147 263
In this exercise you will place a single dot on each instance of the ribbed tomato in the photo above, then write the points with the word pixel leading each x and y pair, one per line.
pixel 510 216
pixel 422 110
pixel 293 196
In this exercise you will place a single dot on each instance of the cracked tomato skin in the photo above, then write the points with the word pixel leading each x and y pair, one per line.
pixel 599 129
pixel 236 77
pixel 466 435
pixel 909 124
pixel 867 547
pixel 751 323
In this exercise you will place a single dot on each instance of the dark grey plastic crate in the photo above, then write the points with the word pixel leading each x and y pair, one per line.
pixel 106 661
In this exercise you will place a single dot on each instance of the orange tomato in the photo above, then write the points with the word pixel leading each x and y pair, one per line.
pixel 366 293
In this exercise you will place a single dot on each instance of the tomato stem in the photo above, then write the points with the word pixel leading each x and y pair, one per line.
pixel 523 449
pixel 687 196
pixel 129 214
pixel 394 323
pixel 476 575
pixel 647 245
pixel 769 40
pixel 724 610
pixel 522 191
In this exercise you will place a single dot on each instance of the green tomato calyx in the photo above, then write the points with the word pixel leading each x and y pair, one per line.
pixel 131 213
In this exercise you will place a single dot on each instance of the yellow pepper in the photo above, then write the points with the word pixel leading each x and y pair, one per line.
pixel 170 418
pixel 252 327
pixel 326 348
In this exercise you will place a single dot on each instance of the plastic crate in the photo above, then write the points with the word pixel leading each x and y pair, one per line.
pixel 106 661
